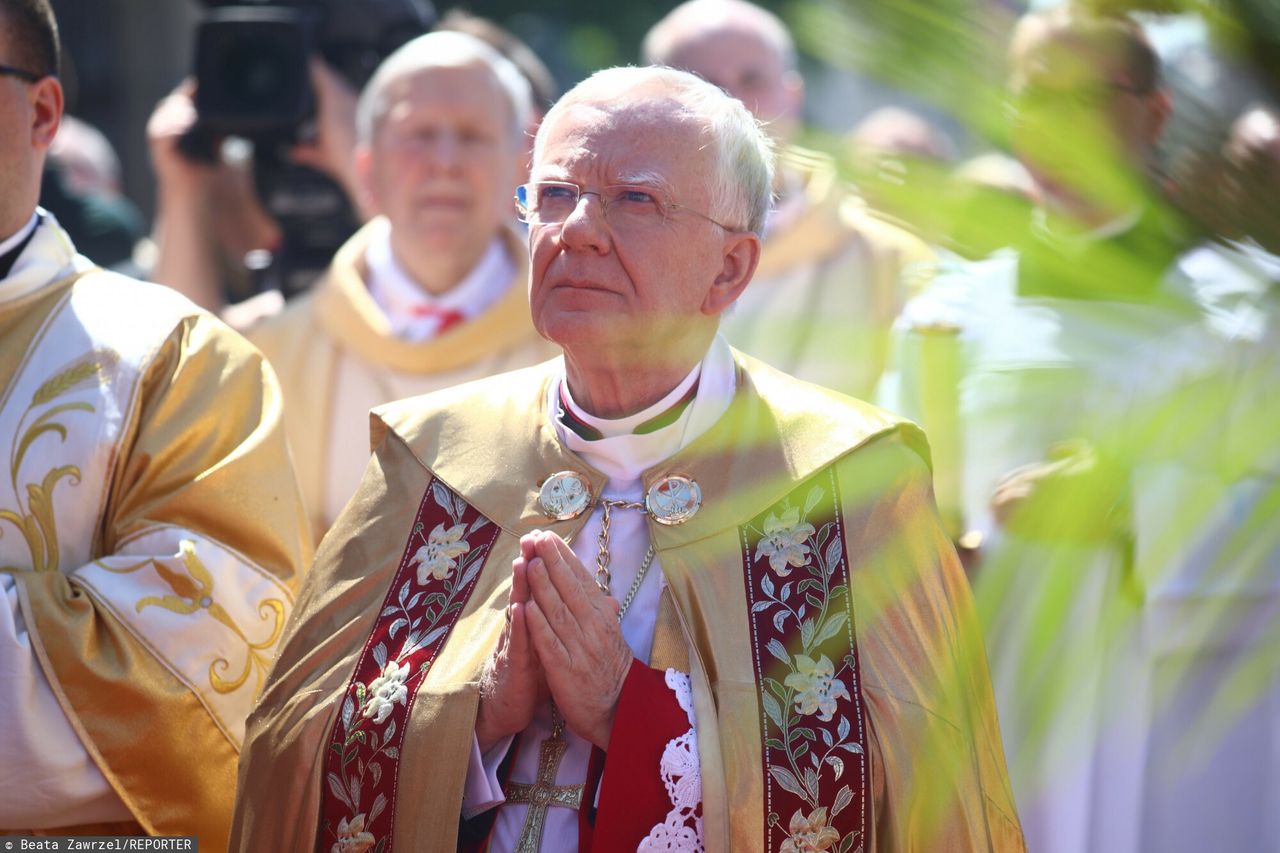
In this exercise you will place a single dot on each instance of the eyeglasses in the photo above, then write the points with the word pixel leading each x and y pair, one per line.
pixel 624 205
pixel 21 74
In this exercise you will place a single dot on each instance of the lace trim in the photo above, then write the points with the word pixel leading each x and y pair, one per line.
pixel 682 829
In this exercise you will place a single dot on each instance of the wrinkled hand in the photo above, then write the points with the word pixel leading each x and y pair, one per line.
pixel 332 149
pixel 513 682
pixel 577 637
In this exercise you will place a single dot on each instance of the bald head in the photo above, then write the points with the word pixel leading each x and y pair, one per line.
pixel 739 47
pixel 738 153
pixel 1065 48
pixel 444 50
pixel 690 21
pixel 893 130
pixel 1254 140
pixel 1088 111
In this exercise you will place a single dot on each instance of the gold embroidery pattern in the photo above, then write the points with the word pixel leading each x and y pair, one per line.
pixel 194 592
pixel 35 521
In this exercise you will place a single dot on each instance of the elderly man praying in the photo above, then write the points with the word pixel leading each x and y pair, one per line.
pixel 652 595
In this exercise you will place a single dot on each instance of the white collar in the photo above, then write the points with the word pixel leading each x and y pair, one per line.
pixel 21 234
pixel 48 258
pixel 623 455
pixel 416 315
pixel 612 428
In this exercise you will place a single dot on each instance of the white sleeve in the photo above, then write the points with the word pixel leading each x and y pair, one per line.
pixel 482 791
pixel 47 775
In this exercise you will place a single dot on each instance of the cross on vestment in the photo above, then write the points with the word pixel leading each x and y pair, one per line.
pixel 544 793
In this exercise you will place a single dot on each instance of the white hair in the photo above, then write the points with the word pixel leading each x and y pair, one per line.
pixel 741 183
pixel 698 17
pixel 443 50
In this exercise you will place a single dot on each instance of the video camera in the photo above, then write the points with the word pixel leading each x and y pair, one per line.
pixel 253 81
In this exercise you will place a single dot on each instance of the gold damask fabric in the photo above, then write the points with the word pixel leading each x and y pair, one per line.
pixel 339 319
pixel 832 278
pixel 938 780
pixel 155 534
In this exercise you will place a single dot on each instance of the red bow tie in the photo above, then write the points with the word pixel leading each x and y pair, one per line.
pixel 445 317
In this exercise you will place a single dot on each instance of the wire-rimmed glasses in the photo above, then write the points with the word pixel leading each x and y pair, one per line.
pixel 21 74
pixel 623 205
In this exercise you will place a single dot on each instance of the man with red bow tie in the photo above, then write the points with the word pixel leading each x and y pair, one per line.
pixel 431 292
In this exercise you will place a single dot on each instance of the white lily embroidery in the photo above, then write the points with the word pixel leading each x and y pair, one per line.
pixel 437 559
pixel 385 691
pixel 817 690
pixel 784 542
pixel 352 837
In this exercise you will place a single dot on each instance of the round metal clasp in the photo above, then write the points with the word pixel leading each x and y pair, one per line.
pixel 673 500
pixel 564 495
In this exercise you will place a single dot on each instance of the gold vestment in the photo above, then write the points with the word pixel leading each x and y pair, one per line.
pixel 937 777
pixel 151 521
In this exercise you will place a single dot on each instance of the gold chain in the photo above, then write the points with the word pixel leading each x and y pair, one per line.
pixel 602 551
pixel 603 579
pixel 635 584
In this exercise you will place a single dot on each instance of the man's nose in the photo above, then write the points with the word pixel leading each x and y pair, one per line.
pixel 585 227
pixel 444 150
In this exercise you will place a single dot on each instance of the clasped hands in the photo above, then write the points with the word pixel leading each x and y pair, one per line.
pixel 562 639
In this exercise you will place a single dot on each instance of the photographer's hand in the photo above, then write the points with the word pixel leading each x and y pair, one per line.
pixel 332 150
pixel 203 209
pixel 172 118
pixel 184 258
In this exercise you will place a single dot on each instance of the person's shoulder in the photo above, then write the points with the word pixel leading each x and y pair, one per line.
pixel 881 227
pixel 474 412
pixel 143 306
pixel 894 240
pixel 878 230
pixel 273 325
pixel 258 310
pixel 147 326
pixel 822 425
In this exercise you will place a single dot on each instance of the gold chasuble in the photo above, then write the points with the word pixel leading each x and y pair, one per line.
pixel 833 277
pixel 151 528
pixel 839 686
pixel 338 325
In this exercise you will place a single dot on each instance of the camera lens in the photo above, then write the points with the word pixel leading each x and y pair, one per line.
pixel 258 77
pixel 251 71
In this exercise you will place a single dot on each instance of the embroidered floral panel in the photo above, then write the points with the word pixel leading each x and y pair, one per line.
pixel 802 633
pixel 442 559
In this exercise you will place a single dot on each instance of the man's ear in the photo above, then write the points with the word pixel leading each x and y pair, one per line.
pixel 793 83
pixel 47 103
pixel 741 256
pixel 1159 108
pixel 366 198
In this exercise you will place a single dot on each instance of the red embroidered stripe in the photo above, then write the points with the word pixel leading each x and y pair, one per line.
pixel 815 760
pixel 442 559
